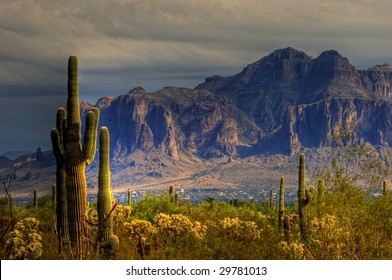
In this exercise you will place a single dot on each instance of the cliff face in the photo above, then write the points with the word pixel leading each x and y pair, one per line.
pixel 303 102
pixel 175 120
pixel 281 103
pixel 335 120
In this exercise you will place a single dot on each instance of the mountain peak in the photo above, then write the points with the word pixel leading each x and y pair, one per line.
pixel 137 90
pixel 330 53
pixel 288 53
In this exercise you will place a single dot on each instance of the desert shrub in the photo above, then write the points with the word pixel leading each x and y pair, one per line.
pixel 143 235
pixel 24 242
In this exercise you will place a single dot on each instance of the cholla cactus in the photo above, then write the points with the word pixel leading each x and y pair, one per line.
pixel 178 225
pixel 240 230
pixel 328 239
pixel 293 251
pixel 144 231
pixel 24 242
pixel 121 214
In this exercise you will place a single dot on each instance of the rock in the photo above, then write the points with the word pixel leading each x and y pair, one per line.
pixel 154 174
pixel 281 103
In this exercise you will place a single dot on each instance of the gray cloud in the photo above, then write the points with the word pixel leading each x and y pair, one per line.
pixel 155 43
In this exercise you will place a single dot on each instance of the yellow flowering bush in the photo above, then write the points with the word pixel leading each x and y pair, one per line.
pixel 327 238
pixel 240 230
pixel 120 214
pixel 24 242
pixel 178 225
pixel 142 228
pixel 145 234
pixel 293 250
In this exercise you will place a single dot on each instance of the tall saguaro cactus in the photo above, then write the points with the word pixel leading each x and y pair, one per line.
pixel 171 193
pixel 72 157
pixel 35 201
pixel 281 203
pixel 304 197
pixel 104 203
pixel 61 192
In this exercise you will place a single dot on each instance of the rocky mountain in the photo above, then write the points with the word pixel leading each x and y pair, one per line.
pixel 235 132
pixel 281 103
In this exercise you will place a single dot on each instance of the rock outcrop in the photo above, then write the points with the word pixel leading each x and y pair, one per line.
pixel 303 102
pixel 281 103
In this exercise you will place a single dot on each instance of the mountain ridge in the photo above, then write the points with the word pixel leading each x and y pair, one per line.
pixel 253 111
pixel 285 103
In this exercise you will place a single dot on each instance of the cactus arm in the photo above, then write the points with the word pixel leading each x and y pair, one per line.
pixel 61 120
pixel 73 106
pixel 104 150
pixel 57 147
pixel 57 136
pixel 309 193
pixel 88 135
pixel 104 203
pixel 89 153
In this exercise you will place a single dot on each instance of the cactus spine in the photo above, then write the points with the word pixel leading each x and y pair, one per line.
pixel 35 202
pixel 304 197
pixel 281 203
pixel 104 203
pixel 73 156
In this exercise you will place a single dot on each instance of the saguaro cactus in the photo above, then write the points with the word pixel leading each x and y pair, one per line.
pixel 176 199
pixel 61 194
pixel 129 197
pixel 171 193
pixel 281 203
pixel 104 203
pixel 73 157
pixel 35 202
pixel 304 197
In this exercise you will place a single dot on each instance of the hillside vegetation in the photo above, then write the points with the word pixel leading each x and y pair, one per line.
pixel 342 221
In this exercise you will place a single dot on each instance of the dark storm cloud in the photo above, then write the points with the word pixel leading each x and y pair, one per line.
pixel 155 43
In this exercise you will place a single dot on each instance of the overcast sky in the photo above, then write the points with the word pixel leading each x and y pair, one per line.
pixel 122 44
